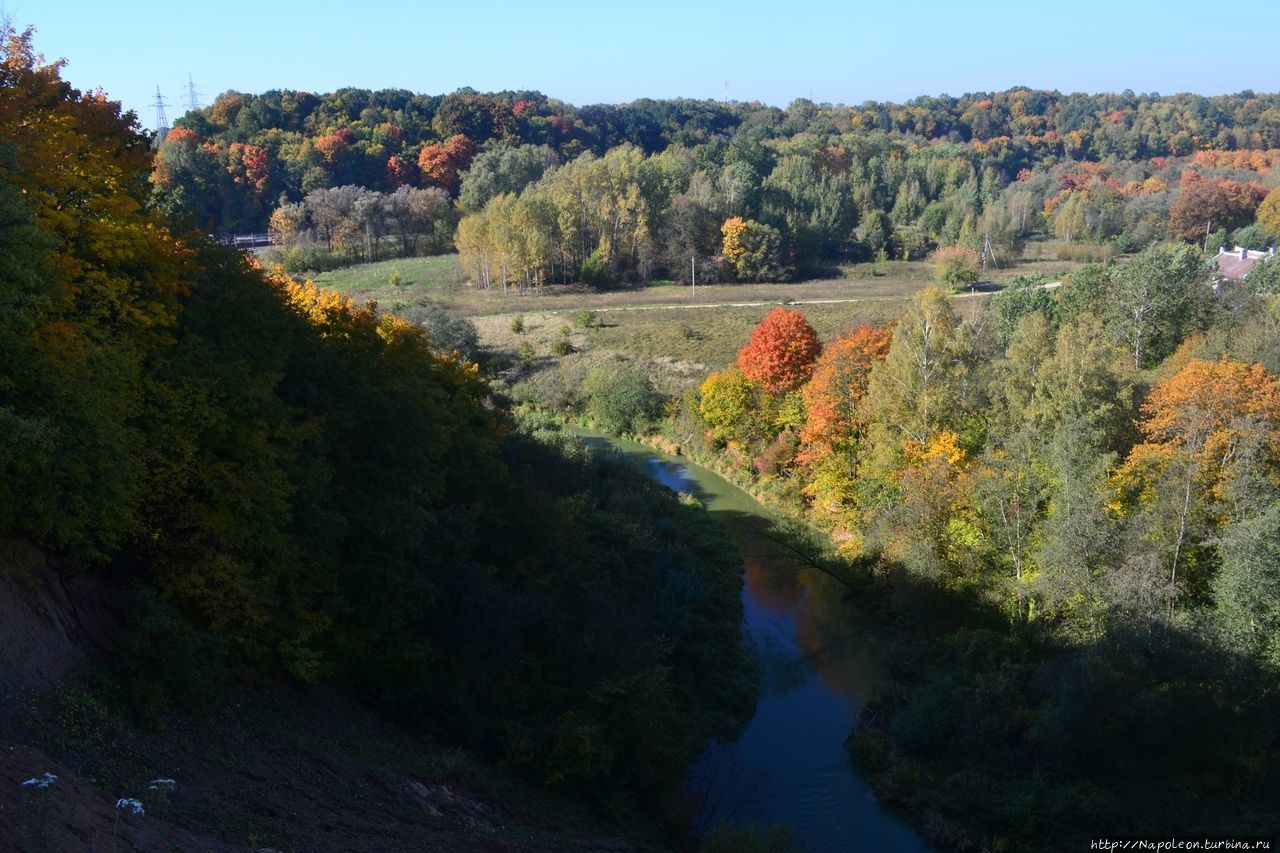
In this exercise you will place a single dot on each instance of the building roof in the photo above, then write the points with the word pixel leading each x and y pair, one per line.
pixel 1235 264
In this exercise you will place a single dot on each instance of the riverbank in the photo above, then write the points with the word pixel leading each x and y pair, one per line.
pixel 790 766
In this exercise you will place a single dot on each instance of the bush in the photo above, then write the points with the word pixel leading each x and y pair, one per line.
pixel 525 353
pixel 448 332
pixel 956 266
pixel 517 324
pixel 1085 253
pixel 300 259
pixel 562 348
pixel 595 271
pixel 622 399
pixel 548 389
pixel 585 319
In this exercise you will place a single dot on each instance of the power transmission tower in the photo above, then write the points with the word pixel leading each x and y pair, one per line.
pixel 193 95
pixel 162 120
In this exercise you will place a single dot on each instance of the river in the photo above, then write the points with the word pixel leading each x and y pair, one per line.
pixel 790 766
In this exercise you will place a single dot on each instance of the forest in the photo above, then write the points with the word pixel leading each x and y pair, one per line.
pixel 1066 503
pixel 545 192
pixel 1059 503
pixel 1057 506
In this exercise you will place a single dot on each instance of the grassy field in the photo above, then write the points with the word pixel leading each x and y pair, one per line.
pixel 706 337
pixel 441 279
pixel 680 332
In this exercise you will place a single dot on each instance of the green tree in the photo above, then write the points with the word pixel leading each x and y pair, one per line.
pixel 915 391
pixel 1246 590
pixel 727 403
pixel 1156 300
pixel 621 399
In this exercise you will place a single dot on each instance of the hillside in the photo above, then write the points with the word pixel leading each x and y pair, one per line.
pixel 249 518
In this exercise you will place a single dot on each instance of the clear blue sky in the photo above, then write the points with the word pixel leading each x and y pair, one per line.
pixel 618 51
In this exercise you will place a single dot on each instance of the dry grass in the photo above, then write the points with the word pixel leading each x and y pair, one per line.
pixel 441 279
pixel 676 330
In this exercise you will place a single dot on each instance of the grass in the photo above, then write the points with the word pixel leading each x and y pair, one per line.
pixel 438 277
pixel 662 321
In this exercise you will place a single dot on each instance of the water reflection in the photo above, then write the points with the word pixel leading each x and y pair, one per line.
pixel 790 765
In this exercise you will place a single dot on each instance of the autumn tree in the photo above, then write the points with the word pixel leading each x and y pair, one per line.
pixel 1204 204
pixel 94 282
pixel 781 352
pixel 441 165
pixel 1207 427
pixel 1269 213
pixel 833 394
pixel 929 525
pixel 752 249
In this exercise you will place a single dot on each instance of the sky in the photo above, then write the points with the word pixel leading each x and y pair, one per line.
pixel 616 52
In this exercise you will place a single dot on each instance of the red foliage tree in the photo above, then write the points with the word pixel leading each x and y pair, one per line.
pixel 781 352
pixel 249 166
pixel 401 170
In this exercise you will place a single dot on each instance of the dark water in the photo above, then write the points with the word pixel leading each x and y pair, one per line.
pixel 790 766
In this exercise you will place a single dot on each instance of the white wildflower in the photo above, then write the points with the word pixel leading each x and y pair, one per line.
pixel 129 804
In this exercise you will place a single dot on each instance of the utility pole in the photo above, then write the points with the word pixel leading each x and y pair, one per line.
pixel 693 276
pixel 193 96
pixel 988 252
pixel 162 121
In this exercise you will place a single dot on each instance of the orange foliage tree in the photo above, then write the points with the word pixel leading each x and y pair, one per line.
pixel 441 165
pixel 781 352
pixel 839 382
pixel 1214 203
pixel 1212 424
pixel 1207 411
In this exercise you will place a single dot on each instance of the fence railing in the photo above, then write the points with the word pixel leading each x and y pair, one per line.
pixel 247 241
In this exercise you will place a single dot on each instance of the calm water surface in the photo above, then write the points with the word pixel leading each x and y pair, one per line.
pixel 790 766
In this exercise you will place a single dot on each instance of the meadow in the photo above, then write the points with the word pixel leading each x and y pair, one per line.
pixel 666 323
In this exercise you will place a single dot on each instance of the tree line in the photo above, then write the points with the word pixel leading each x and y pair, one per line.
pixel 834 182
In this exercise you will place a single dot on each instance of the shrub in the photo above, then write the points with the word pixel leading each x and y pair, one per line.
pixel 525 353
pixel 447 332
pixel 562 348
pixel 956 266
pixel 621 399
pixel 1086 253
pixel 595 271
pixel 585 319
pixel 517 324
